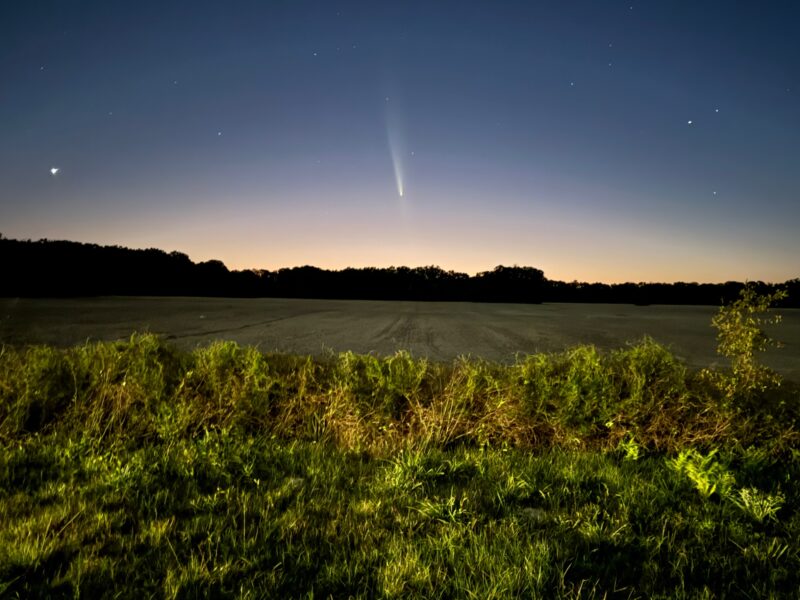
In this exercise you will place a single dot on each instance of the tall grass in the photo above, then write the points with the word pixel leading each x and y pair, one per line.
pixel 143 390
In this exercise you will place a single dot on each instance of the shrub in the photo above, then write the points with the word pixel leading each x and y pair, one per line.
pixel 575 385
pixel 741 337
pixel 648 372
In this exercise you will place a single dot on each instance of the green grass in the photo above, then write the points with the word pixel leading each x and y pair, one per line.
pixel 136 470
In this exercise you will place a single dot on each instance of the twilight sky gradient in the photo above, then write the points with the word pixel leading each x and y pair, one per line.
pixel 597 140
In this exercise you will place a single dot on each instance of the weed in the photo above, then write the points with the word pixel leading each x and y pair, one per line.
pixel 705 471
pixel 759 505
pixel 629 448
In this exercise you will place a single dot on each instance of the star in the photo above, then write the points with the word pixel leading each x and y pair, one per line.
pixel 54 171
pixel 715 193
pixel 716 110
pixel 689 122
pixel 572 83
pixel 219 133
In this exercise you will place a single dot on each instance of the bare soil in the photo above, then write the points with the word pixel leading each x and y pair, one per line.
pixel 437 330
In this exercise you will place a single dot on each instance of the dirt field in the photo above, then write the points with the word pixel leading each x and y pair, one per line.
pixel 440 331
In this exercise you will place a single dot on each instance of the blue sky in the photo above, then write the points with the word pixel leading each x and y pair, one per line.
pixel 602 141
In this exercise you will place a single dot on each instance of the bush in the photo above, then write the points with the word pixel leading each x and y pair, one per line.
pixel 741 337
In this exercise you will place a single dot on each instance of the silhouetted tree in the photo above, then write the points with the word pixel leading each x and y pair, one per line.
pixel 61 268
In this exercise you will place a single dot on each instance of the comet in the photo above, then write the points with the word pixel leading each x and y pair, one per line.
pixel 396 163
pixel 396 149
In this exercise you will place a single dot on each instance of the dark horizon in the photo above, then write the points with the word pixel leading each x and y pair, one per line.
pixel 257 269
pixel 61 268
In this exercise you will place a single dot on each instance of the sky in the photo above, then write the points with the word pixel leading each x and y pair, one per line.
pixel 596 140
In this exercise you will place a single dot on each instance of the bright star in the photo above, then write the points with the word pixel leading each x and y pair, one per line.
pixel 688 122
pixel 54 171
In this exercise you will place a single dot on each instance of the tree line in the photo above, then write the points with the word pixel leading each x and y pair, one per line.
pixel 47 268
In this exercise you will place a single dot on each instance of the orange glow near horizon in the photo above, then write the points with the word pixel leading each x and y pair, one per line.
pixel 362 226
pixel 563 253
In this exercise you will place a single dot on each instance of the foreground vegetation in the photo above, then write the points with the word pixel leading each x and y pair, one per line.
pixel 133 469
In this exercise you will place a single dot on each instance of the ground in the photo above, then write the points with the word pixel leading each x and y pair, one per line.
pixel 437 330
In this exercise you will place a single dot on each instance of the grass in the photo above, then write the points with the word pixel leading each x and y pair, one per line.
pixel 133 469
